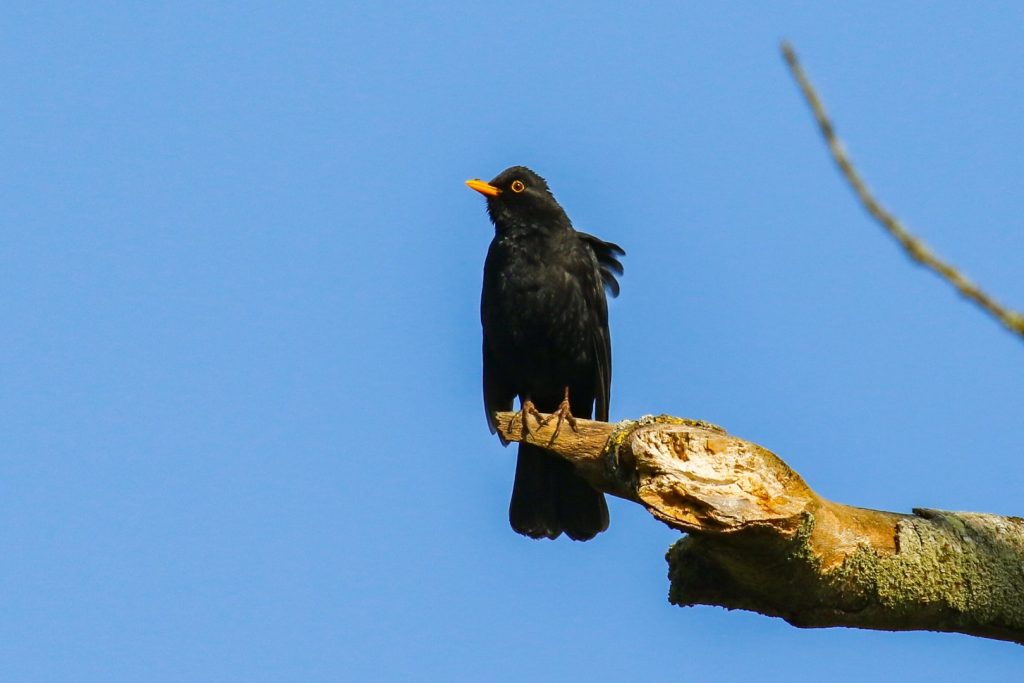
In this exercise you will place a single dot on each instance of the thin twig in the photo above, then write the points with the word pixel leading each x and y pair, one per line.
pixel 914 247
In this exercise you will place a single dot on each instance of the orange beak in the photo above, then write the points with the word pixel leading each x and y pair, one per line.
pixel 483 188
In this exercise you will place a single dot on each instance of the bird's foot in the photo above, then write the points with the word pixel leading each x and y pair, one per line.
pixel 526 409
pixel 564 414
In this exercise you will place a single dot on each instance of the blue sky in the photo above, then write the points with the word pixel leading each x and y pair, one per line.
pixel 242 434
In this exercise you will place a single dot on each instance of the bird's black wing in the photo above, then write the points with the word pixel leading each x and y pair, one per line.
pixel 607 254
pixel 498 393
pixel 497 396
pixel 609 266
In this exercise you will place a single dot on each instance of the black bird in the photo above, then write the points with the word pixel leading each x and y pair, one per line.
pixel 546 341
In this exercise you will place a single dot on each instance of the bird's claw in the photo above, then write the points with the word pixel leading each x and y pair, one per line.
pixel 564 414
pixel 526 409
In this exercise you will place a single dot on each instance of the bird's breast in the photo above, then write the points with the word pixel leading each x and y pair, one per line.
pixel 538 313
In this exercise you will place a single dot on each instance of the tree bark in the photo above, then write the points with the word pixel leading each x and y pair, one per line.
pixel 760 539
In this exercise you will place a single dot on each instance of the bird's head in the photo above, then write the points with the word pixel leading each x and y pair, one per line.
pixel 518 196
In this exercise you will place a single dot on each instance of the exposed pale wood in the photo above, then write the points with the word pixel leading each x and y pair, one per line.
pixel 761 539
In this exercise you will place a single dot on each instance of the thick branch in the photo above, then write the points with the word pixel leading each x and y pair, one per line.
pixel 762 540
pixel 913 246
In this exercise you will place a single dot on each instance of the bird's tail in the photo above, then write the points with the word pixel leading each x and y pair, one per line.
pixel 549 497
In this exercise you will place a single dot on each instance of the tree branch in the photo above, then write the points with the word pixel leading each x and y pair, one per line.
pixel 761 539
pixel 913 246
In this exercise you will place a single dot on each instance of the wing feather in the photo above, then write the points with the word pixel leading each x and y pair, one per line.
pixel 608 262
pixel 607 256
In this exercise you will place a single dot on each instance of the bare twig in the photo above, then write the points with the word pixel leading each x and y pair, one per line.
pixel 915 248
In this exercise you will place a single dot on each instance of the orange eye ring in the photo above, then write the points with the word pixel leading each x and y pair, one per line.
pixel 518 186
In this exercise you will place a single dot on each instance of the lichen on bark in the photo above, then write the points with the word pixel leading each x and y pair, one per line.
pixel 959 572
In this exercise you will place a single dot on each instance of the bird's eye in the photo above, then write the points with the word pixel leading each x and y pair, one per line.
pixel 518 186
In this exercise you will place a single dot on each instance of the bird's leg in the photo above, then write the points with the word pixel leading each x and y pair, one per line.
pixel 564 413
pixel 526 408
